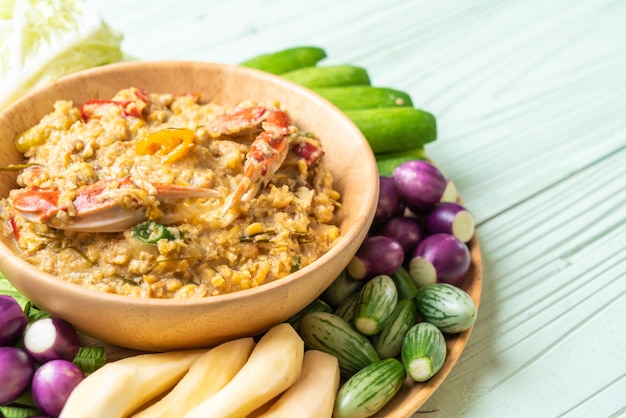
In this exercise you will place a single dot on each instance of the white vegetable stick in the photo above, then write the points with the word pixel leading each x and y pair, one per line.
pixel 313 395
pixel 119 388
pixel 208 374
pixel 274 365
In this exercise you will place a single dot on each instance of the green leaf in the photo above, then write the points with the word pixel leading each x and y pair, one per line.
pixel 90 359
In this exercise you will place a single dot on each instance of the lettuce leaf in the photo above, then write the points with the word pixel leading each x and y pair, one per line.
pixel 42 40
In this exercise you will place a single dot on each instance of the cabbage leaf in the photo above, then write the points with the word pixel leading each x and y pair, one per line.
pixel 42 40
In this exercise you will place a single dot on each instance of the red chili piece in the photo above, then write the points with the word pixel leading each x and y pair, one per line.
pixel 307 151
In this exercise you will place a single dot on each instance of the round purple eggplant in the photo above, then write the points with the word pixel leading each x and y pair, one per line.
pixel 13 321
pixel 389 201
pixel 404 229
pixel 50 339
pixel 16 369
pixel 419 183
pixel 439 258
pixel 450 218
pixel 52 384
pixel 378 254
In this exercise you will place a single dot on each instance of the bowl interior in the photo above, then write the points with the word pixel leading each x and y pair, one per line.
pixel 348 157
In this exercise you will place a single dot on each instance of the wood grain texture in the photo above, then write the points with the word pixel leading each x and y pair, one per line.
pixel 530 98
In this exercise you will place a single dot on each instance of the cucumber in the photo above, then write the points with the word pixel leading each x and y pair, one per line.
pixel 423 351
pixel 375 304
pixel 370 389
pixel 395 129
pixel 388 342
pixel 329 333
pixel 317 305
pixel 286 60
pixel 407 289
pixel 364 97
pixel 449 308
pixel 388 161
pixel 341 288
pixel 347 308
pixel 329 76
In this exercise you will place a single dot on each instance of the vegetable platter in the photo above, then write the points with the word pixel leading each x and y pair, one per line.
pixel 381 382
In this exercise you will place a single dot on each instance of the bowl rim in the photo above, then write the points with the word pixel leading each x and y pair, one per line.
pixel 7 255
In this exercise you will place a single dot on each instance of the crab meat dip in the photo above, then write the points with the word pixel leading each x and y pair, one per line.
pixel 162 196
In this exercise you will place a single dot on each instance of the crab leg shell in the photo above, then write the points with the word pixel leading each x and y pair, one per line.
pixel 93 212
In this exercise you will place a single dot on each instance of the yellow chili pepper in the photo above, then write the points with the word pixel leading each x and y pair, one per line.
pixel 172 143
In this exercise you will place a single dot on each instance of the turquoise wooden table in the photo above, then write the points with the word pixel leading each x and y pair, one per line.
pixel 530 98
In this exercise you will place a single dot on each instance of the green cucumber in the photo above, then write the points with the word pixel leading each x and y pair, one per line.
pixel 347 308
pixel 370 389
pixel 329 333
pixel 388 342
pixel 395 129
pixel 388 161
pixel 376 302
pixel 449 308
pixel 423 351
pixel 286 60
pixel 407 289
pixel 341 288
pixel 364 97
pixel 317 305
pixel 329 76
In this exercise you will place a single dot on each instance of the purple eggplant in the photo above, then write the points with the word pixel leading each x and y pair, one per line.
pixel 404 229
pixel 16 369
pixel 450 218
pixel 439 258
pixel 52 384
pixel 419 183
pixel 50 339
pixel 13 321
pixel 389 201
pixel 378 254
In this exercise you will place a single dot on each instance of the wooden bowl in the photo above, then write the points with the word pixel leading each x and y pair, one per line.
pixel 155 325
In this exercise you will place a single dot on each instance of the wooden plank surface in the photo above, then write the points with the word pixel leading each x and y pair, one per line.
pixel 530 97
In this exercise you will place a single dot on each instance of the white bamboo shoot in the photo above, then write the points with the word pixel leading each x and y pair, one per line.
pixel 208 374
pixel 313 395
pixel 119 388
pixel 274 365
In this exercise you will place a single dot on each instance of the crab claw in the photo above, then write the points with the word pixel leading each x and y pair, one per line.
pixel 267 152
pixel 93 210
